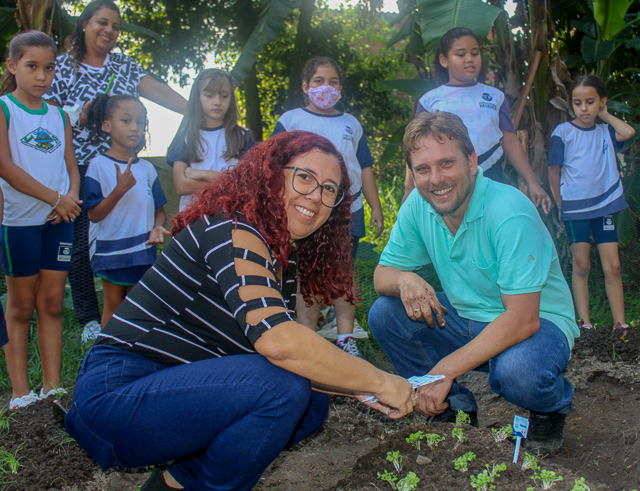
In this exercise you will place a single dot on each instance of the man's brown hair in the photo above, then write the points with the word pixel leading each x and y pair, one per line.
pixel 440 126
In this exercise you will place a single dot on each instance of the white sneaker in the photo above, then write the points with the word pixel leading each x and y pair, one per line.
pixel 349 346
pixel 90 332
pixel 330 331
pixel 53 392
pixel 23 401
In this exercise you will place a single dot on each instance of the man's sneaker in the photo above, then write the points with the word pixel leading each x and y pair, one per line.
pixel 449 416
pixel 348 345
pixel 59 392
pixel 90 332
pixel 23 401
pixel 546 433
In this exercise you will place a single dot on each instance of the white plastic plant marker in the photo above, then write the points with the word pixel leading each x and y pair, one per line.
pixel 416 381
pixel 520 429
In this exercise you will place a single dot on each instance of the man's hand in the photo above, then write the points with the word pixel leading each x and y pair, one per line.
pixel 420 301
pixel 431 397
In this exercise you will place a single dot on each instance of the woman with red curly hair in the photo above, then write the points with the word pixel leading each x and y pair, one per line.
pixel 203 364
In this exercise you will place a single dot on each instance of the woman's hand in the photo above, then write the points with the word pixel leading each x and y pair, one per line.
pixel 156 236
pixel 396 399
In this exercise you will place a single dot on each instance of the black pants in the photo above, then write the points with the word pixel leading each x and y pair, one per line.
pixel 83 290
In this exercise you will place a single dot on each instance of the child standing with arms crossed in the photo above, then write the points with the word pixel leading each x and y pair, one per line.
pixel 124 199
pixel 483 109
pixel 40 186
pixel 209 139
pixel 584 179
pixel 322 84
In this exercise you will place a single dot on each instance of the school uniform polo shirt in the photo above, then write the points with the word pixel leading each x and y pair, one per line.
pixel 501 247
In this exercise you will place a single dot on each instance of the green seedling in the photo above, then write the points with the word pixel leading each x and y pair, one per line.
pixel 459 435
pixel 530 462
pixel 396 459
pixel 501 434
pixel 462 418
pixel 433 439
pixel 63 446
pixel 409 483
pixel 548 478
pixel 5 419
pixel 9 463
pixel 485 480
pixel 462 463
pixel 414 439
pixel 580 485
pixel 389 477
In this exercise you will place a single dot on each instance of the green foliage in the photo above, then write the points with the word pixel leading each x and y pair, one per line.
pixel 438 16
pixel 433 439
pixel 501 434
pixel 10 462
pixel 5 419
pixel 530 462
pixel 396 459
pixel 414 439
pixel 409 482
pixel 485 480
pixel 389 477
pixel 462 463
pixel 546 478
pixel 580 485
pixel 462 418
pixel 459 435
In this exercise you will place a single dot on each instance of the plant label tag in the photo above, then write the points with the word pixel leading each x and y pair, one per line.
pixel 520 430
pixel 416 381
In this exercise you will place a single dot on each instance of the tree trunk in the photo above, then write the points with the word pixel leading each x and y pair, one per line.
pixel 300 53
pixel 246 24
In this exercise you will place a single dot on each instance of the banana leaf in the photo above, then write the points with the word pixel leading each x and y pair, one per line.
pixel 270 27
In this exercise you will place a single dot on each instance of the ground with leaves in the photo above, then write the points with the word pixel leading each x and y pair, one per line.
pixel 601 443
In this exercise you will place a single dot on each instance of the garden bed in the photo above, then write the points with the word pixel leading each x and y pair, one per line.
pixel 601 439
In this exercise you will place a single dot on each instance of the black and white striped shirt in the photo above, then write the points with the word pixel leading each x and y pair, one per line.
pixel 187 306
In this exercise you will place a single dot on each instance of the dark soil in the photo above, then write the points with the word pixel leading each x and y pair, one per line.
pixel 602 441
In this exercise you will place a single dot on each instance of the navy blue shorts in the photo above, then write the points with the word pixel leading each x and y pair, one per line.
pixel 124 277
pixel 27 250
pixel 603 230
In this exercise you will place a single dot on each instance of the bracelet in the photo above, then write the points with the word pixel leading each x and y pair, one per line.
pixel 57 202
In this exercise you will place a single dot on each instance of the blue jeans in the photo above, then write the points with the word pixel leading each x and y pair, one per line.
pixel 223 420
pixel 528 374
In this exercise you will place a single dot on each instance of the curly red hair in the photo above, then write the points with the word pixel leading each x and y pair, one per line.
pixel 254 187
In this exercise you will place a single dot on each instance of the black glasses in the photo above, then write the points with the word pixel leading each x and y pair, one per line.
pixel 305 183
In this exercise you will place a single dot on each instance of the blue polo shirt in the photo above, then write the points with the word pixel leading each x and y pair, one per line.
pixel 501 247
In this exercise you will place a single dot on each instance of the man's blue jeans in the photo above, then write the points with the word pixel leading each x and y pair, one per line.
pixel 528 374
pixel 222 420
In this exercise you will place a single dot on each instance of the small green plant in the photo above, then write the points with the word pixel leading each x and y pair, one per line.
pixel 409 483
pixel 501 434
pixel 580 485
pixel 462 463
pixel 547 478
pixel 530 462
pixel 433 439
pixel 9 463
pixel 414 439
pixel 389 477
pixel 458 434
pixel 485 480
pixel 396 459
pixel 5 419
pixel 63 446
pixel 462 418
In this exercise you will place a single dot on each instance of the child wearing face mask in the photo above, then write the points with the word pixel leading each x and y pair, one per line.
pixel 322 82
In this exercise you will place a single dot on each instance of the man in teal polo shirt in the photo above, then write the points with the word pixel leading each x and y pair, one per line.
pixel 506 308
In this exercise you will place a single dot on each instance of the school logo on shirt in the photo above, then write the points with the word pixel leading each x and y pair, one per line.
pixel 487 97
pixel 349 135
pixel 42 140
